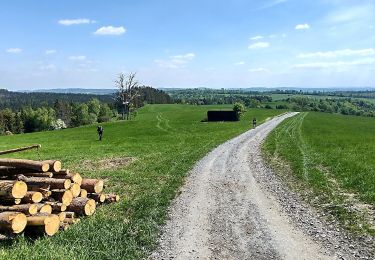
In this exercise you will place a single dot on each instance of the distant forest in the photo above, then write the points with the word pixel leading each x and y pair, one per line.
pixel 38 111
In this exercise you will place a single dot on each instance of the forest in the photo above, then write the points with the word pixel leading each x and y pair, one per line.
pixel 31 112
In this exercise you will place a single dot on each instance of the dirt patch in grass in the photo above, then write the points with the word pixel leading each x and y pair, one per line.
pixel 105 164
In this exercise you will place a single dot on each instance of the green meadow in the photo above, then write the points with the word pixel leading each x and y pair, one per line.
pixel 163 142
pixel 329 158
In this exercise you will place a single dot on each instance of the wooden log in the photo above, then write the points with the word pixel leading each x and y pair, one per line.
pixel 92 185
pixel 83 193
pixel 74 177
pixel 62 216
pixel 12 189
pixel 46 209
pixel 29 209
pixel 109 198
pixel 26 164
pixel 43 222
pixel 57 206
pixel 40 187
pixel 82 206
pixel 12 222
pixel 75 189
pixel 54 165
pixel 63 196
pixel 98 197
pixel 53 183
pixel 64 171
pixel 20 149
pixel 12 171
pixel 32 197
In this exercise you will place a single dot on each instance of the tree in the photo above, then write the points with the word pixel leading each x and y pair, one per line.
pixel 239 108
pixel 94 106
pixel 127 87
pixel 105 113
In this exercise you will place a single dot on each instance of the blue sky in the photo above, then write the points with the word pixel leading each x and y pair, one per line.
pixel 169 43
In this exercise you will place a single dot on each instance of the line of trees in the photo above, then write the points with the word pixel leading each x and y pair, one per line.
pixel 61 115
pixel 345 106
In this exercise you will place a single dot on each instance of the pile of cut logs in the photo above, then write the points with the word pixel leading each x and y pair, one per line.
pixel 38 197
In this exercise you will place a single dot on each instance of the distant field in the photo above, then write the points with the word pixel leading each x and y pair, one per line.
pixel 279 97
pixel 165 141
pixel 331 159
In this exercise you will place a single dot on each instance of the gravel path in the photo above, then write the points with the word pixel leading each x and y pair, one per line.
pixel 227 209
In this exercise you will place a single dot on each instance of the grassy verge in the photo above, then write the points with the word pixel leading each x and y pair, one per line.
pixel 164 140
pixel 330 160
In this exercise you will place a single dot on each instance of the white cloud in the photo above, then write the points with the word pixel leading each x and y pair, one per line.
pixel 259 45
pixel 79 57
pixel 351 13
pixel 258 37
pixel 47 67
pixel 336 64
pixel 338 53
pixel 14 50
pixel 110 30
pixel 240 63
pixel 304 26
pixel 50 52
pixel 273 3
pixel 176 61
pixel 68 22
pixel 258 70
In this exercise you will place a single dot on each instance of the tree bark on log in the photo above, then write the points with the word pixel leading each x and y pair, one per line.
pixel 12 189
pixel 43 222
pixel 109 198
pixel 20 149
pixel 11 171
pixel 98 197
pixel 82 206
pixel 12 222
pixel 53 183
pixel 29 209
pixel 26 164
pixel 92 185
pixel 63 196
pixel 57 206
pixel 74 177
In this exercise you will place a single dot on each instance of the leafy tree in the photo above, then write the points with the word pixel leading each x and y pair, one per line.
pixel 239 108
pixel 94 106
pixel 105 113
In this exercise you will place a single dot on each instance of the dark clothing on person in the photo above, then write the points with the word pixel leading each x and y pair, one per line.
pixel 100 132
pixel 254 122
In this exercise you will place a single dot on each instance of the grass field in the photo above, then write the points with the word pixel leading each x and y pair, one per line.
pixel 331 159
pixel 165 141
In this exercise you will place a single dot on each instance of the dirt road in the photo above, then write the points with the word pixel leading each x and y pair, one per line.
pixel 224 210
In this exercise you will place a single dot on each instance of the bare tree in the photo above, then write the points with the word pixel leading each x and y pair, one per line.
pixel 127 86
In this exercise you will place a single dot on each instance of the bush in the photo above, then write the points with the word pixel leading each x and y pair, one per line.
pixel 239 108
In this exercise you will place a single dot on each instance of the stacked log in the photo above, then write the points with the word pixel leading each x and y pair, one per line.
pixel 39 197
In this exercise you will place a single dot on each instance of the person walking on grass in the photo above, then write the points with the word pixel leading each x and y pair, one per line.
pixel 100 132
pixel 254 122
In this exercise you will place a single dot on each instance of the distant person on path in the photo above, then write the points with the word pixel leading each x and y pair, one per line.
pixel 100 132
pixel 254 122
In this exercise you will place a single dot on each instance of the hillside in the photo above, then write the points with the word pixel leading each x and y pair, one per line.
pixel 329 159
pixel 163 142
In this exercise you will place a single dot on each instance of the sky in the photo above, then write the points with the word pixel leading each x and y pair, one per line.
pixel 48 44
